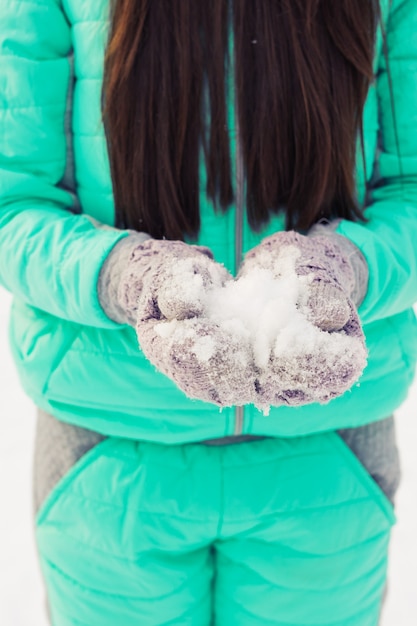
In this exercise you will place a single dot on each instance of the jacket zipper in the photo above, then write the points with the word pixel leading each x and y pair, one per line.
pixel 239 410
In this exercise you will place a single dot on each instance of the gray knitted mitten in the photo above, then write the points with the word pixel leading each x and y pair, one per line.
pixel 171 275
pixel 327 365
pixel 205 361
pixel 160 287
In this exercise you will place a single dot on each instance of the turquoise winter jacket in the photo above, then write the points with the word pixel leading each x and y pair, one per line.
pixel 76 363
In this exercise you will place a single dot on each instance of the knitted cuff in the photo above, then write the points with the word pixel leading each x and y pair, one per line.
pixel 352 254
pixel 110 275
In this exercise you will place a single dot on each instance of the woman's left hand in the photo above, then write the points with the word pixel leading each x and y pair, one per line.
pixel 329 359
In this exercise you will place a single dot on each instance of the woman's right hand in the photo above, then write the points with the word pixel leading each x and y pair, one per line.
pixel 161 291
pixel 205 361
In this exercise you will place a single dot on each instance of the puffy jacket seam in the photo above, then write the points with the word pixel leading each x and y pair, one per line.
pixel 354 581
pixel 36 4
pixel 130 412
pixel 49 105
pixel 401 59
pixel 130 355
pixel 48 162
pixel 289 512
pixel 349 617
pixel 365 542
pixel 117 557
pixel 85 588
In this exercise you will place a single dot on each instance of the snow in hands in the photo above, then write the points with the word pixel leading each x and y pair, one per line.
pixel 254 341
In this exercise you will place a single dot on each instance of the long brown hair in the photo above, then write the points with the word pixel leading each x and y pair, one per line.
pixel 302 70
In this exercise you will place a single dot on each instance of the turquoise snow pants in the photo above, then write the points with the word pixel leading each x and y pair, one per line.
pixel 283 532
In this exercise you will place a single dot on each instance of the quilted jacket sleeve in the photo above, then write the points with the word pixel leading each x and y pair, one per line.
pixel 389 240
pixel 49 256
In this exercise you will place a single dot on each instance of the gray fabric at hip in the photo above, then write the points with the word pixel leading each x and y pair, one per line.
pixel 376 447
pixel 58 446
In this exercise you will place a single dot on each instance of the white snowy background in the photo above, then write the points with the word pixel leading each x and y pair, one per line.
pixel 21 593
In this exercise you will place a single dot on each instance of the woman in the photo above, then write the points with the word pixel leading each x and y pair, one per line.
pixel 283 134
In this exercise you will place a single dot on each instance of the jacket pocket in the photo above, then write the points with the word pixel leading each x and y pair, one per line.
pixel 62 451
